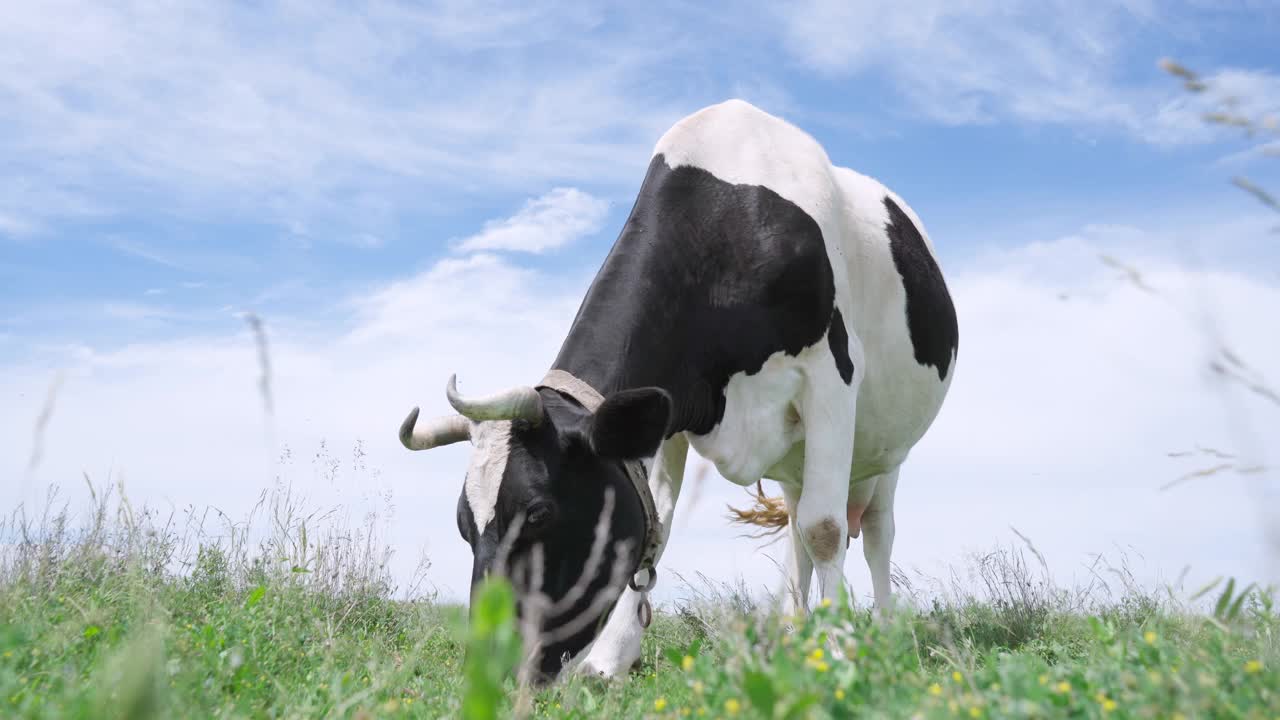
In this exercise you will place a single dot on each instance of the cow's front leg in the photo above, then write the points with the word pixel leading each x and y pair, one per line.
pixel 799 565
pixel 617 648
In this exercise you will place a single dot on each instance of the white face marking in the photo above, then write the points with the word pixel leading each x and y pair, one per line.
pixel 492 442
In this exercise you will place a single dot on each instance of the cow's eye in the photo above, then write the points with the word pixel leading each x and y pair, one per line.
pixel 538 517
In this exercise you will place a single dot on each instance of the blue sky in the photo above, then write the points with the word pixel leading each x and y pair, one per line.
pixel 273 155
pixel 431 180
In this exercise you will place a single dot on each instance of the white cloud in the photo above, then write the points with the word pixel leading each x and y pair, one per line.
pixel 546 223
pixel 13 226
pixel 139 250
pixel 1246 94
pixel 1059 423
pixel 1267 151
pixel 307 111
pixel 989 60
pixel 367 241
pixel 976 61
pixel 326 115
pixel 138 312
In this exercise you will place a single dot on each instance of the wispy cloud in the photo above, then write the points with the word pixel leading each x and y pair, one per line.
pixel 1228 96
pixel 976 61
pixel 139 312
pixel 12 226
pixel 140 250
pixel 189 260
pixel 990 61
pixel 544 223
pixel 346 117
pixel 303 110
pixel 367 241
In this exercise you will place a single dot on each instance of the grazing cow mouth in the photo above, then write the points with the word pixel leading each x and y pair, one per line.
pixel 559 623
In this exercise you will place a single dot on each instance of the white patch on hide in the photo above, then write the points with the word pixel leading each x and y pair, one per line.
pixel 492 442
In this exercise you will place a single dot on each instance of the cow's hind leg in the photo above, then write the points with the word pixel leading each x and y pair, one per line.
pixel 877 540
pixel 617 647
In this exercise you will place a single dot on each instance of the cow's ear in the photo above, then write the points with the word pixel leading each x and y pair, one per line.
pixel 630 424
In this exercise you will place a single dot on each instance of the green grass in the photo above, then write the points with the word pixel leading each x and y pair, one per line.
pixel 124 617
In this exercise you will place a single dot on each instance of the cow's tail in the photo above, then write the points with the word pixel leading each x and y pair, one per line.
pixel 769 513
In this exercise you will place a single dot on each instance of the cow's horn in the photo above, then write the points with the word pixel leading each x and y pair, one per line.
pixel 444 431
pixel 521 403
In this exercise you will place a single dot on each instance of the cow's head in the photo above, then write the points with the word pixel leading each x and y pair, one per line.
pixel 542 471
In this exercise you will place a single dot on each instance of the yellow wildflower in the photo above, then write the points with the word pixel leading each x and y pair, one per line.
pixel 935 689
pixel 1150 637
pixel 702 711
pixel 975 712
pixel 1063 687
pixel 660 704
pixel 687 663
pixel 839 694
pixel 955 675
pixel 1044 679
pixel 816 662
pixel 826 602
pixel 732 706
pixel 1253 666
pixel 1108 705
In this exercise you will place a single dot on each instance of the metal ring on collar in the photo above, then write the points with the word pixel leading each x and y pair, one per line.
pixel 653 580
pixel 644 613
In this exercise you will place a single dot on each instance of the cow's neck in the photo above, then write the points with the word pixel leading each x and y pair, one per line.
pixel 634 331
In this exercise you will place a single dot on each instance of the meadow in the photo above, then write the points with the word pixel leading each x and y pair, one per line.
pixel 126 613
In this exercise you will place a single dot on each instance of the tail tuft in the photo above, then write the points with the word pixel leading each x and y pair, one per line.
pixel 769 513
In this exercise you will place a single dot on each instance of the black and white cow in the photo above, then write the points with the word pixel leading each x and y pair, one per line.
pixel 783 316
